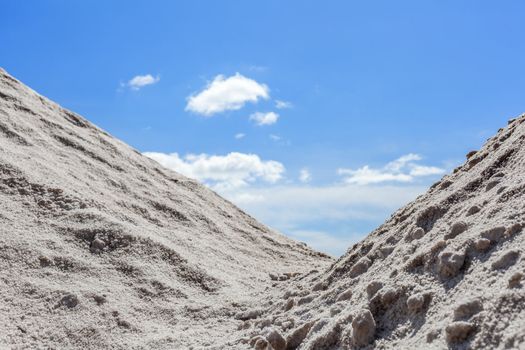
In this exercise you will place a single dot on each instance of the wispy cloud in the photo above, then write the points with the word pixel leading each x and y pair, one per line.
pixel 261 119
pixel 305 175
pixel 404 169
pixel 282 104
pixel 223 94
pixel 275 137
pixel 139 81
pixel 240 135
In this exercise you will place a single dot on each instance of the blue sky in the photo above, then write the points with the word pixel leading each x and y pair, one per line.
pixel 378 98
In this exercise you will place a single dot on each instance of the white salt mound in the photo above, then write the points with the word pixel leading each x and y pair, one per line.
pixel 443 272
pixel 101 247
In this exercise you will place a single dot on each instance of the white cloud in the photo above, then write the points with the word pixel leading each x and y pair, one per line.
pixel 227 172
pixel 264 118
pixel 283 104
pixel 420 170
pixel 139 81
pixel 223 94
pixel 401 162
pixel 403 169
pixel 304 175
pixel 240 135
pixel 275 137
pixel 365 176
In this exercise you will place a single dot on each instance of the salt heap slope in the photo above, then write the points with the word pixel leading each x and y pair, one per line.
pixel 446 271
pixel 100 247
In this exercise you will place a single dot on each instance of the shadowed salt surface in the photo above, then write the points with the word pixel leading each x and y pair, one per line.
pixel 100 247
